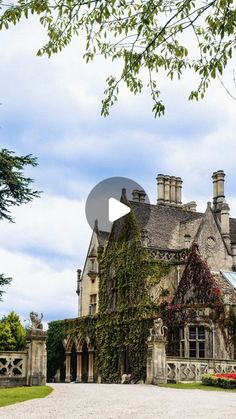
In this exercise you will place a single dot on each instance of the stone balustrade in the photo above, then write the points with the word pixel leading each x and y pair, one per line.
pixel 13 368
pixel 27 367
pixel 189 369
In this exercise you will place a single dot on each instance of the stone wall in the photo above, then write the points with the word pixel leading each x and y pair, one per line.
pixel 13 368
pixel 162 369
pixel 27 367
pixel 189 369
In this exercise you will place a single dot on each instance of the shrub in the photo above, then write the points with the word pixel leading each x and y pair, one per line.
pixel 209 380
pixel 227 381
pixel 232 376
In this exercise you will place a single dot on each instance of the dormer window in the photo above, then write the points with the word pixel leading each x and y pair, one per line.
pixel 93 304
pixel 92 265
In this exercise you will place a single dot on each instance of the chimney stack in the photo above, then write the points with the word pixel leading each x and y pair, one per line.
pixel 225 228
pixel 160 190
pixel 169 189
pixel 218 189
pixel 139 195
pixel 190 206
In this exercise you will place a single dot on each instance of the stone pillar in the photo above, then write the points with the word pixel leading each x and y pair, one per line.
pixel 79 367
pixel 156 359
pixel 91 367
pixel 179 183
pixel 220 187
pixel 173 190
pixel 142 195
pixel 167 189
pixel 225 229
pixel 68 373
pixel 214 181
pixel 37 358
pixel 160 190
pixel 135 195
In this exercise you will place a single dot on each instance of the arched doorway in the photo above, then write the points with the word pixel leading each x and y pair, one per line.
pixel 79 360
pixel 73 363
pixel 85 362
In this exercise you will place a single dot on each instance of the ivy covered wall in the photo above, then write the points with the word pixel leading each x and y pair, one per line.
pixel 120 329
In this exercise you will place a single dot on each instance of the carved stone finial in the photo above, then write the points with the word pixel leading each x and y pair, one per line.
pixel 157 332
pixel 35 321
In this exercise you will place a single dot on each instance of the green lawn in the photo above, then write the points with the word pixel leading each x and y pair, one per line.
pixel 20 394
pixel 195 386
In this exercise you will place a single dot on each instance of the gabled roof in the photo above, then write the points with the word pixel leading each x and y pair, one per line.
pixel 162 221
pixel 197 285
pixel 227 289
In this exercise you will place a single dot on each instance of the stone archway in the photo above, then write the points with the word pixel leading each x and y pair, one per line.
pixel 69 344
pixel 79 360
pixel 73 366
pixel 85 362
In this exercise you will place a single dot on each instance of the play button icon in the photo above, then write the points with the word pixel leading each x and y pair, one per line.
pixel 117 210
pixel 107 201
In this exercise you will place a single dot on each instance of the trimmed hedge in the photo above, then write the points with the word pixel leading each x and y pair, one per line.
pixel 223 382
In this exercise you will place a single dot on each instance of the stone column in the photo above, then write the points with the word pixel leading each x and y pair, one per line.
pixel 214 181
pixel 156 359
pixel 68 373
pixel 79 367
pixel 90 367
pixel 220 186
pixel 179 183
pixel 135 195
pixel 225 228
pixel 160 190
pixel 167 189
pixel 37 358
pixel 173 190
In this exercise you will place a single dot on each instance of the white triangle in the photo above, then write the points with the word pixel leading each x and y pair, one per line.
pixel 116 210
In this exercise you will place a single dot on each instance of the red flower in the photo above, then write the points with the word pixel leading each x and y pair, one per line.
pixel 231 376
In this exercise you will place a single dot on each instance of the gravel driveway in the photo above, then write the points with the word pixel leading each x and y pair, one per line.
pixel 107 401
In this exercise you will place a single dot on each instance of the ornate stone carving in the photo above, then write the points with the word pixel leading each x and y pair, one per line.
pixel 35 321
pixel 174 256
pixel 157 332
pixel 192 370
pixel 13 365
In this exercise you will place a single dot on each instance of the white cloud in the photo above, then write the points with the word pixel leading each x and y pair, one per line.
pixel 38 287
pixel 51 108
pixel 50 224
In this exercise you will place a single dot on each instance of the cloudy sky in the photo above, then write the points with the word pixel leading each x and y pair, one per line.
pixel 51 109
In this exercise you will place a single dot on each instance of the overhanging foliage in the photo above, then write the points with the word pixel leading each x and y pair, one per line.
pixel 145 35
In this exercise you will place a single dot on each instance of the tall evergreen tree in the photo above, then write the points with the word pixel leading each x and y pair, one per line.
pixel 12 333
pixel 14 189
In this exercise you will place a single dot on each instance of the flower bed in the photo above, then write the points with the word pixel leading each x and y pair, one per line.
pixel 220 380
pixel 230 376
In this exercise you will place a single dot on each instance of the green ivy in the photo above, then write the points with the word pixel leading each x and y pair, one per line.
pixel 126 310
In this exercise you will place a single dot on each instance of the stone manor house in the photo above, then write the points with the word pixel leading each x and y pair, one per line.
pixel 198 292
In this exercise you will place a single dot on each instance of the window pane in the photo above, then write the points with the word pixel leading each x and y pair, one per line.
pixel 201 349
pixel 182 333
pixel 192 333
pixel 201 333
pixel 176 334
pixel 192 349
pixel 176 349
